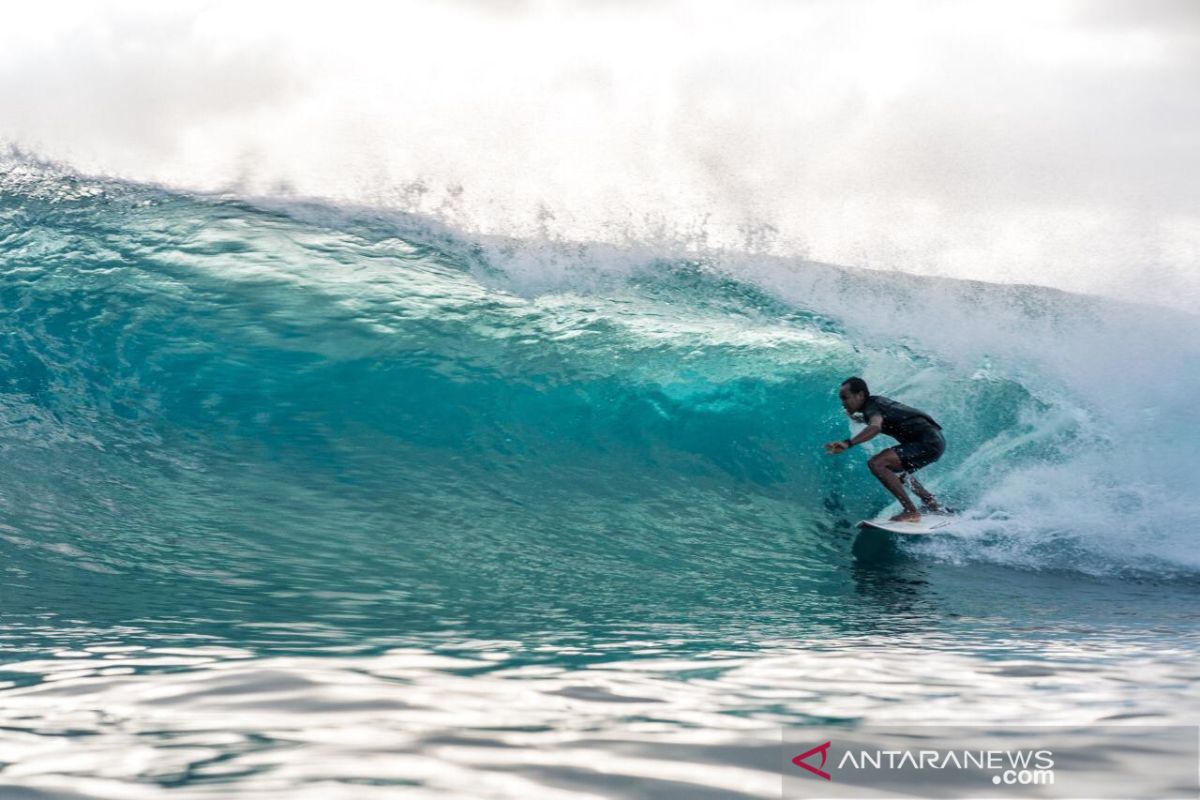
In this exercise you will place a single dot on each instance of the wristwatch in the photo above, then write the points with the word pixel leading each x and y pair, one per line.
pixel 849 443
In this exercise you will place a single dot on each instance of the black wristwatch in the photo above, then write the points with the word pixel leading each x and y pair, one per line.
pixel 849 443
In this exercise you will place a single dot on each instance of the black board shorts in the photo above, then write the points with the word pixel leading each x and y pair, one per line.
pixel 920 452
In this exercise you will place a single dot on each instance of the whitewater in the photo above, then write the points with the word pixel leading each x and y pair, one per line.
pixel 315 499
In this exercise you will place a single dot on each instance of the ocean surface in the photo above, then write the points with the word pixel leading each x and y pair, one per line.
pixel 300 500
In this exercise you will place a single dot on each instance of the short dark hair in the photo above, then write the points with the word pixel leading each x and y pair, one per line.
pixel 857 386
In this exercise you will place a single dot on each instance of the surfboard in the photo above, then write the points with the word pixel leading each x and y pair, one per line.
pixel 930 523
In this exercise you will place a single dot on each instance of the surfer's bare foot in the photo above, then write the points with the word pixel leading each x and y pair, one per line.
pixel 933 507
pixel 906 516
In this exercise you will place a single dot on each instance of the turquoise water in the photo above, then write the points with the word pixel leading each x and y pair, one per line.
pixel 312 501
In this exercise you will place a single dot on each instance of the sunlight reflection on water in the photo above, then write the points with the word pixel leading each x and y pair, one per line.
pixel 203 722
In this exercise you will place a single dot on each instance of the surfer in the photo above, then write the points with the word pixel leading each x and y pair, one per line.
pixel 920 443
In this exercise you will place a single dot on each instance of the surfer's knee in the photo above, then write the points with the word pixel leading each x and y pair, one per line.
pixel 884 462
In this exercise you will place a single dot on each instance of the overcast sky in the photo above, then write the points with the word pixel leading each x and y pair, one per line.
pixel 1045 142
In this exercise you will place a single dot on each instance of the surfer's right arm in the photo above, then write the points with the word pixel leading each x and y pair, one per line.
pixel 873 429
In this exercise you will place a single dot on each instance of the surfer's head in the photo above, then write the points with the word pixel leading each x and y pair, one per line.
pixel 853 394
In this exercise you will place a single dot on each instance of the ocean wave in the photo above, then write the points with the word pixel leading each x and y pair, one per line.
pixel 197 386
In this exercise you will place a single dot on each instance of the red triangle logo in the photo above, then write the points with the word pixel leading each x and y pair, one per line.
pixel 823 749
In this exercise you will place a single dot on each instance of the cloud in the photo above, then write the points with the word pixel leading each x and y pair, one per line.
pixel 134 83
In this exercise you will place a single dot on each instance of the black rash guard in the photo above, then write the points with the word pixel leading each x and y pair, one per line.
pixel 903 423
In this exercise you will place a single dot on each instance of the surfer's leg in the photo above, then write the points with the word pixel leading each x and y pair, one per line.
pixel 931 503
pixel 885 465
pixel 918 453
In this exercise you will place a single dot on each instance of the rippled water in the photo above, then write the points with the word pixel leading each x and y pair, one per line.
pixel 661 699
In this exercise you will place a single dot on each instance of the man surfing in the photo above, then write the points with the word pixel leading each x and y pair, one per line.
pixel 920 443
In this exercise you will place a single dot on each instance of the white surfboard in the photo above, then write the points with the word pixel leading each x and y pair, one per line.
pixel 930 523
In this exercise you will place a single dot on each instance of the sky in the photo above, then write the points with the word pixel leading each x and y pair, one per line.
pixel 1046 142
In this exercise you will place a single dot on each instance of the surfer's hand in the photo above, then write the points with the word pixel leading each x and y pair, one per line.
pixel 833 448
